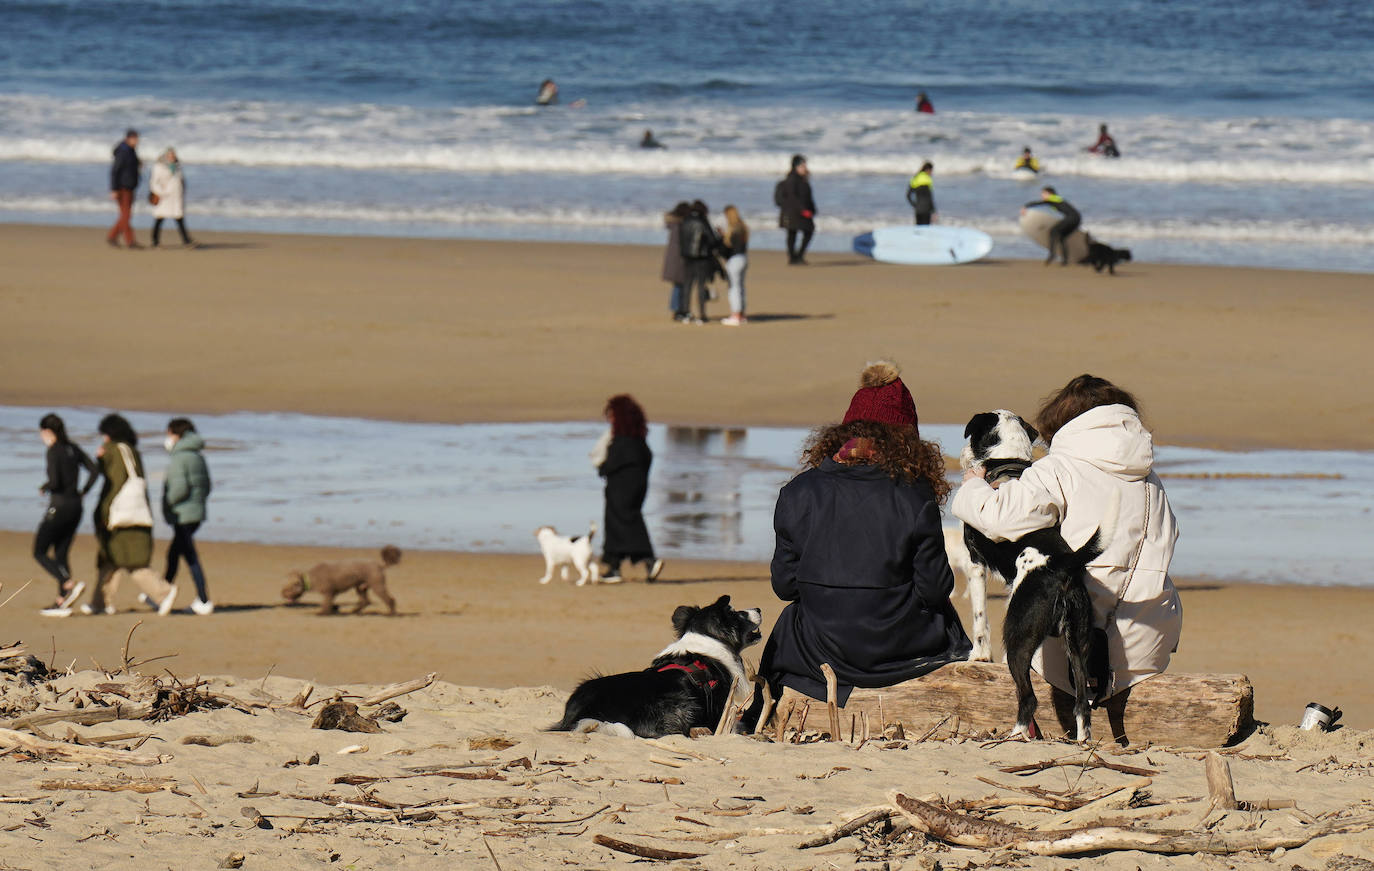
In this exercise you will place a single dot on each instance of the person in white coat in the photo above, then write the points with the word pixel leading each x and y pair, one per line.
pixel 167 190
pixel 1099 451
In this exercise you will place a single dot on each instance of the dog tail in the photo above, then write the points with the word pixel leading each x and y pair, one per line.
pixel 591 530
pixel 391 554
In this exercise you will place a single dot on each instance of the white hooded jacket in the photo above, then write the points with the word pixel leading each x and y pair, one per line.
pixel 1102 454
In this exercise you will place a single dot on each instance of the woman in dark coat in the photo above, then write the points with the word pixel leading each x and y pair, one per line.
pixel 626 470
pixel 860 555
pixel 53 541
pixel 674 269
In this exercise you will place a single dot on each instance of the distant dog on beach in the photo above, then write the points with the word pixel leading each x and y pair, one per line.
pixel 1102 256
pixel 1045 576
pixel 331 579
pixel 687 685
pixel 563 552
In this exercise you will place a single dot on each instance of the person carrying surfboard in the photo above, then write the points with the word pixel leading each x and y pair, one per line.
pixel 920 196
pixel 1027 161
pixel 1068 222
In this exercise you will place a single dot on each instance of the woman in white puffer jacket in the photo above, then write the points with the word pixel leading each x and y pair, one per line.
pixel 1099 451
pixel 168 184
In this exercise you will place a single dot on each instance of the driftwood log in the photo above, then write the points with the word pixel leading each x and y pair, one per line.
pixel 1175 710
pixel 77 752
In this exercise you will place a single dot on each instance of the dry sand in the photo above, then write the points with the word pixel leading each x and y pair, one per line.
pixel 469 331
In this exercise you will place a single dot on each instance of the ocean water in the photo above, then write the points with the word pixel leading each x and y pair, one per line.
pixel 1266 516
pixel 1247 127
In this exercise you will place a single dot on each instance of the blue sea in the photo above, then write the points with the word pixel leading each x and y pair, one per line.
pixel 1247 126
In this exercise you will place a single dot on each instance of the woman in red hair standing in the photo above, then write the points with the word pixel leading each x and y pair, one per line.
pixel 860 554
pixel 626 470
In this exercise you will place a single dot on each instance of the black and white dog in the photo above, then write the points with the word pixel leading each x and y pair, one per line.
pixel 1048 596
pixel 1102 256
pixel 687 685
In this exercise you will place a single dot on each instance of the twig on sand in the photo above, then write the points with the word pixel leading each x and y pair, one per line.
pixel 15 593
pixel 640 850
pixel 841 830
pixel 602 809
pixel 399 689
pixel 1092 762
pixel 145 785
pixel 491 853
pixel 967 831
pixel 683 751
pixel 832 693
pixel 124 654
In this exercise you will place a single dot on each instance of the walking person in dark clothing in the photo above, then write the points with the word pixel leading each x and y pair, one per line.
pixel 123 182
pixel 860 555
pixel 53 541
pixel 184 493
pixel 1068 222
pixel 797 210
pixel 920 196
pixel 626 470
pixel 700 247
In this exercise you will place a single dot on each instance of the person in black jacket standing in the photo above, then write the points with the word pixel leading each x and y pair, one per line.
pixel 53 541
pixel 797 210
pixel 123 182
pixel 626 470
pixel 700 246
pixel 860 554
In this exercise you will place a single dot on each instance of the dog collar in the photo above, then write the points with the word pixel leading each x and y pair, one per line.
pixel 1010 467
pixel 692 669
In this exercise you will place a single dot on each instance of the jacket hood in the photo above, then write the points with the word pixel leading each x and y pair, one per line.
pixel 190 441
pixel 1111 438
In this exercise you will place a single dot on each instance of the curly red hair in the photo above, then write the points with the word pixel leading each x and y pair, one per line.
pixel 900 452
pixel 626 416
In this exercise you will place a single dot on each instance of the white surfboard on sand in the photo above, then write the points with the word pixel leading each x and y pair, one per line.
pixel 1036 223
pixel 933 245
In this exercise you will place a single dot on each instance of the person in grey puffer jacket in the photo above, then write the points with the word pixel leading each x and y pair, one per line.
pixel 184 493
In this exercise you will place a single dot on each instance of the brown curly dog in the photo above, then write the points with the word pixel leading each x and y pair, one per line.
pixel 331 579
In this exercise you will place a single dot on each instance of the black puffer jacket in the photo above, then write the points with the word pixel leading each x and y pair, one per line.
pixel 124 172
pixel 861 558
pixel 794 198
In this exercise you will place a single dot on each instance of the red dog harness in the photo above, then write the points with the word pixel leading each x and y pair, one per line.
pixel 693 670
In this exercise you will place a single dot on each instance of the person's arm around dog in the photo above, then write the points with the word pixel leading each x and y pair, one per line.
pixel 1016 508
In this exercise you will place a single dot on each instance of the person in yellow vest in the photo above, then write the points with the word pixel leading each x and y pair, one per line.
pixel 1027 161
pixel 920 196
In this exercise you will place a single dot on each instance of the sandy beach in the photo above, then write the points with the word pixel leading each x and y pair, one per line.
pixel 462 331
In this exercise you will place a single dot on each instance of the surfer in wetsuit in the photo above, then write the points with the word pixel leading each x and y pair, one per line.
pixel 923 104
pixel 920 196
pixel 1105 144
pixel 1068 222
pixel 649 141
pixel 548 93
pixel 1027 161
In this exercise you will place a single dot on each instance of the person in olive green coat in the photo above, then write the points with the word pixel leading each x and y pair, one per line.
pixel 184 492
pixel 126 551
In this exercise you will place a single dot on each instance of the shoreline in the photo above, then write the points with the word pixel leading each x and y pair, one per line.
pixel 444 330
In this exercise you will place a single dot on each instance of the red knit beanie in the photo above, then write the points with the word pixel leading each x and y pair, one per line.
pixel 882 397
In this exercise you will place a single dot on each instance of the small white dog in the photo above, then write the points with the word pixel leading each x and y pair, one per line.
pixel 564 552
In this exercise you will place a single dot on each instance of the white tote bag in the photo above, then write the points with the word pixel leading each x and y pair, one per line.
pixel 130 505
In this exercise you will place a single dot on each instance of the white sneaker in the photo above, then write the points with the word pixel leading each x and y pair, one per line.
pixel 56 612
pixel 165 606
pixel 654 570
pixel 72 595
pixel 731 321
pixel 88 610
pixel 202 608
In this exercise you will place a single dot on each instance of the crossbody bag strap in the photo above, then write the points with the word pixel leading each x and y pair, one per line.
pixel 130 470
pixel 1135 558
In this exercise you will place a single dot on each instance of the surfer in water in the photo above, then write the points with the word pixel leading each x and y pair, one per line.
pixel 920 196
pixel 1028 161
pixel 1105 145
pixel 548 93
pixel 649 141
pixel 923 104
pixel 1069 219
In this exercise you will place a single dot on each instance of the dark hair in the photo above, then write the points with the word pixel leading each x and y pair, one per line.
pixel 130 132
pixel 700 207
pixel 901 452
pixel 118 429
pixel 54 423
pixel 1026 150
pixel 1082 394
pixel 798 160
pixel 180 426
pixel 682 209
pixel 927 166
pixel 627 418
pixel 1049 190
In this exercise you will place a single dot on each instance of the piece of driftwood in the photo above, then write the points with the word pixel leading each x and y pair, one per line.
pixel 218 740
pixel 83 717
pixel 399 689
pixel 847 828
pixel 78 752
pixel 155 784
pixel 967 831
pixel 767 708
pixel 640 850
pixel 731 713
pixel 344 717
pixel 1220 787
pixel 832 695
pixel 1176 710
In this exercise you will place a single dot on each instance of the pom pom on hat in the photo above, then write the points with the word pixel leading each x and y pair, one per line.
pixel 882 397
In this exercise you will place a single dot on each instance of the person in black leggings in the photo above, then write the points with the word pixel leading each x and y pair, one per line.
pixel 53 540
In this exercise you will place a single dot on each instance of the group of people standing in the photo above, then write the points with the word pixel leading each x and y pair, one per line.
pixel 696 253
pixel 166 192
pixel 123 516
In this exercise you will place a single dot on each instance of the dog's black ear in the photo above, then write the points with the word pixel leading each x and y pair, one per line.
pixel 983 420
pixel 681 616
pixel 722 602
pixel 1031 431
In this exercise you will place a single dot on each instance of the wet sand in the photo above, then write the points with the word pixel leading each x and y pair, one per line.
pixel 456 331
pixel 483 620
